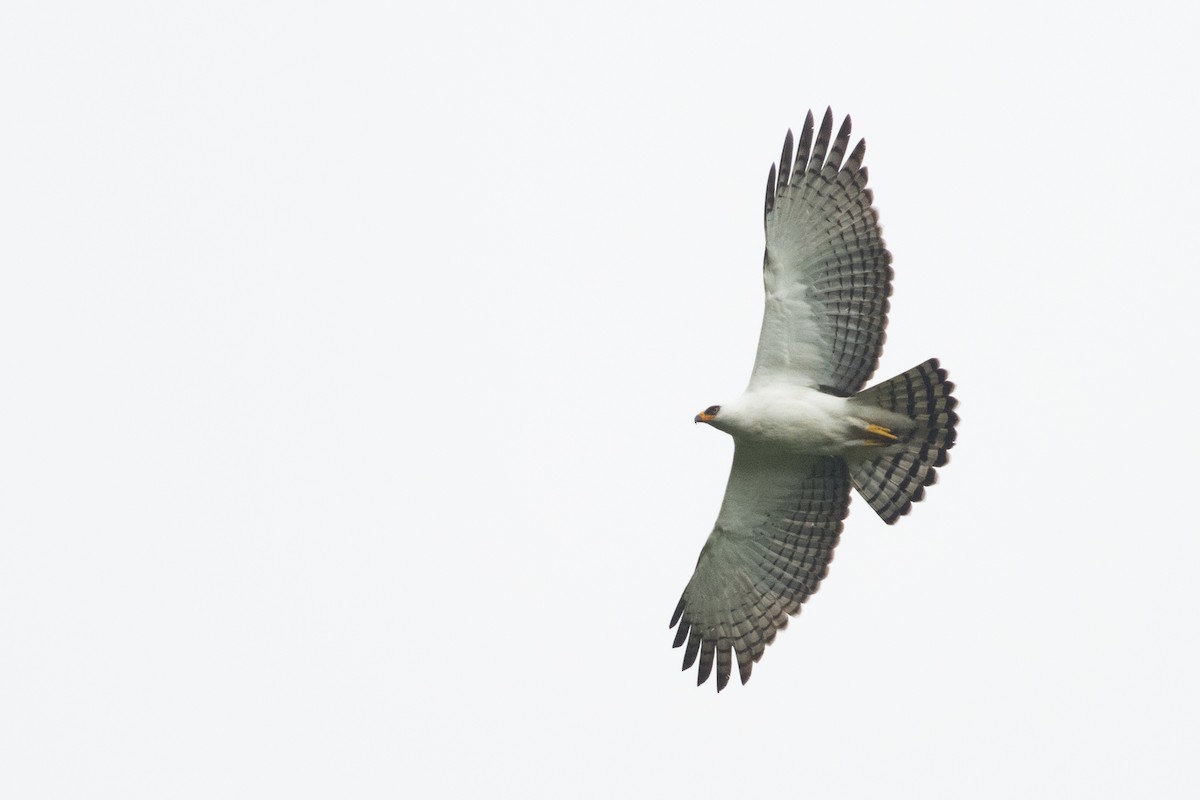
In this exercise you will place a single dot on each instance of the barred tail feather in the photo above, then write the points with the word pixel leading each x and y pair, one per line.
pixel 897 479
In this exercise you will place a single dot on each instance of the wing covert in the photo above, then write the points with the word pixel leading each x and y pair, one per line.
pixel 826 271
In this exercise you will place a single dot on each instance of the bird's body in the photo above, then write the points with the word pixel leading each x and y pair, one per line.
pixel 806 421
pixel 804 430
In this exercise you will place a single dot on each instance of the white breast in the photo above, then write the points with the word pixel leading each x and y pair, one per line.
pixel 794 418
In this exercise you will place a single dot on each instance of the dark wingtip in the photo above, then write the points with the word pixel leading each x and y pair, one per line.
pixel 678 613
pixel 681 636
pixel 693 649
pixel 785 163
pixel 708 653
pixel 745 665
pixel 854 162
pixel 769 204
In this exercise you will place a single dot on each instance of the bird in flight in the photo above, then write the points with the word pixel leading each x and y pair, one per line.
pixel 805 430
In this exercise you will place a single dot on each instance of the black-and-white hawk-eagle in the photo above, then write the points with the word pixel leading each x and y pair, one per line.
pixel 805 431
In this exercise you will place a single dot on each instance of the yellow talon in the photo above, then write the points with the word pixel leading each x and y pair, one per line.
pixel 879 430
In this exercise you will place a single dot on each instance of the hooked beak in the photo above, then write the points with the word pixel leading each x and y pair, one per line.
pixel 705 417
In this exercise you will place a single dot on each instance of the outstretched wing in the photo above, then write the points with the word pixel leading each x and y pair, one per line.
pixel 826 270
pixel 768 552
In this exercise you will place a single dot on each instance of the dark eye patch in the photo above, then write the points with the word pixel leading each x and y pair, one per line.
pixel 712 410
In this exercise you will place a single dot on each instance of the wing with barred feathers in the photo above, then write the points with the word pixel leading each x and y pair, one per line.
pixel 826 271
pixel 769 551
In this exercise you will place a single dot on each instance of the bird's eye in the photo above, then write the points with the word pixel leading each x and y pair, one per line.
pixel 712 410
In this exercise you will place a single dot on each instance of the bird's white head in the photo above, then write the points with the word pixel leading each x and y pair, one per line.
pixel 735 417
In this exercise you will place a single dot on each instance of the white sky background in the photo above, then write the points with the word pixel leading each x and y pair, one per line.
pixel 349 356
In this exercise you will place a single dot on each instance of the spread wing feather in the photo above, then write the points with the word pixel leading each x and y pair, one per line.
pixel 826 270
pixel 769 551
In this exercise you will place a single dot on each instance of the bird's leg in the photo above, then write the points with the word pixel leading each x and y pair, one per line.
pixel 885 435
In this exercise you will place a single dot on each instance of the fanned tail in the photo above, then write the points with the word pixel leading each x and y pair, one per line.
pixel 897 479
